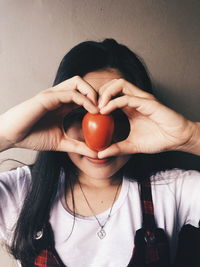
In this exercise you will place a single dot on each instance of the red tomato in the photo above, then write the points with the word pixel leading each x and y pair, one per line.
pixel 98 130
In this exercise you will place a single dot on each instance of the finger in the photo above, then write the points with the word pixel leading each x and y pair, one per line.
pixel 117 86
pixel 108 94
pixel 151 108
pixel 82 100
pixel 51 100
pixel 116 103
pixel 78 83
pixel 75 146
pixel 127 87
pixel 87 90
pixel 123 147
pixel 103 88
pixel 145 106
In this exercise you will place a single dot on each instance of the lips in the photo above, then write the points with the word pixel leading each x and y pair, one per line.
pixel 99 161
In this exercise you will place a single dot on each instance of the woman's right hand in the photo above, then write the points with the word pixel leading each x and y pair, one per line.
pixel 37 123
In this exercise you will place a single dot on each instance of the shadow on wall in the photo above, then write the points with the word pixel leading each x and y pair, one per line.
pixel 179 99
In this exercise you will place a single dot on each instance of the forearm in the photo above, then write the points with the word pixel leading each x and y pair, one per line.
pixel 4 144
pixel 193 144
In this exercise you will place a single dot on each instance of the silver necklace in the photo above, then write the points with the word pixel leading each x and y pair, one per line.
pixel 101 233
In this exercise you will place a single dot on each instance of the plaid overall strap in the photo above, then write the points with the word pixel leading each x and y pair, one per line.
pixel 151 244
pixel 147 206
pixel 47 256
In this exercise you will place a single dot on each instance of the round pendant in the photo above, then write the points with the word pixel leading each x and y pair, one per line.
pixel 101 234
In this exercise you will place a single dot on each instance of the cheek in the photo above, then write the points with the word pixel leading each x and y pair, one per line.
pixel 76 159
pixel 122 160
pixel 75 132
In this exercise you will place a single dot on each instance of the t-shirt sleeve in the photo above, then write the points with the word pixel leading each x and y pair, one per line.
pixel 13 188
pixel 182 198
pixel 189 191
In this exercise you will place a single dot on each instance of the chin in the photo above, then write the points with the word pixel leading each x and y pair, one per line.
pixel 99 174
pixel 98 169
pixel 102 172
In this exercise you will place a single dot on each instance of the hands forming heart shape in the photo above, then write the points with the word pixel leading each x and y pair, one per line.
pixel 152 127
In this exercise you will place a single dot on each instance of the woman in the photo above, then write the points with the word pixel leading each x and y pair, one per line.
pixel 78 207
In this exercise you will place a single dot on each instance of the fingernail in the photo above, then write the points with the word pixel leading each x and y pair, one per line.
pixel 99 155
pixel 100 104
pixel 101 110
pixel 95 111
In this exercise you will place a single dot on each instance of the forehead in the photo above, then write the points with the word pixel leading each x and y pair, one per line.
pixel 98 78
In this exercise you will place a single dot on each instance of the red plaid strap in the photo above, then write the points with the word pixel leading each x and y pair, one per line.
pixel 47 254
pixel 147 206
pixel 47 259
pixel 151 244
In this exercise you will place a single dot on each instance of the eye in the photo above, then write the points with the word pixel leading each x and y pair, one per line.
pixel 74 117
pixel 75 131
pixel 122 126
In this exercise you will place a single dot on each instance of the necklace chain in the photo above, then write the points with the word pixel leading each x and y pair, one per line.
pixel 101 234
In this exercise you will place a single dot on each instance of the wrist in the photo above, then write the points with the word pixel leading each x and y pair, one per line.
pixel 193 143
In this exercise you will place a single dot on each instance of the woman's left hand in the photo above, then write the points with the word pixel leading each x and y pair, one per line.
pixel 153 126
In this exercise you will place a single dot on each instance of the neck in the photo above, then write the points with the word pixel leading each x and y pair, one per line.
pixel 100 183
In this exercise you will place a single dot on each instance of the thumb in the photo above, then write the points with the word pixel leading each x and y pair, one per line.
pixel 75 146
pixel 123 147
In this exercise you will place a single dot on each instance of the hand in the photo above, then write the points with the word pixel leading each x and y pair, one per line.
pixel 37 123
pixel 153 126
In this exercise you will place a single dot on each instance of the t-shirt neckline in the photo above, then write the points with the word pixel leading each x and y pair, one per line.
pixel 118 203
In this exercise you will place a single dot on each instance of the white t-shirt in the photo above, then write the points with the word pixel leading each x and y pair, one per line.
pixel 176 198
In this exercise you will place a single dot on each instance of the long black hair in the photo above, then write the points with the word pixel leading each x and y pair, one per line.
pixel 84 58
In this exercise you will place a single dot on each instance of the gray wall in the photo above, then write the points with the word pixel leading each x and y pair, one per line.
pixel 36 34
